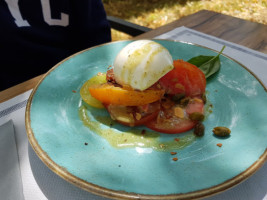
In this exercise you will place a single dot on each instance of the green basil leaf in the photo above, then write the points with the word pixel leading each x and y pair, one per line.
pixel 209 65
pixel 200 60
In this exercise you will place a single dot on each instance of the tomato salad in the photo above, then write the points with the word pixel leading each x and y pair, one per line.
pixel 174 104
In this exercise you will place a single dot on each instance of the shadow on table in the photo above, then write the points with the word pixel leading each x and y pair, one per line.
pixel 54 187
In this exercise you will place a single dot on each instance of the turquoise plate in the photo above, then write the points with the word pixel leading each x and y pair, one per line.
pixel 81 156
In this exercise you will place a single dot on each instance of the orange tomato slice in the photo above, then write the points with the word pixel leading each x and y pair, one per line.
pixel 109 94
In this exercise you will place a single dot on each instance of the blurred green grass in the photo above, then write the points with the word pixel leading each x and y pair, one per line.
pixel 155 13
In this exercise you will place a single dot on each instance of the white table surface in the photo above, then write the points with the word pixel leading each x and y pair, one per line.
pixel 40 183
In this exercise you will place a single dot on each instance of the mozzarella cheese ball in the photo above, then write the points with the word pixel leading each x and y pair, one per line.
pixel 142 63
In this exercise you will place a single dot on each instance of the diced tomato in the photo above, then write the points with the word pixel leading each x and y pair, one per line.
pixel 168 121
pixel 185 79
pixel 195 105
pixel 134 115
pixel 110 76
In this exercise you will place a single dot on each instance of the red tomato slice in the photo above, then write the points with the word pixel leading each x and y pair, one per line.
pixel 167 122
pixel 185 79
pixel 172 126
pixel 133 115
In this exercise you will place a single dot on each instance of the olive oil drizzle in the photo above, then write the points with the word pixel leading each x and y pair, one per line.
pixel 133 137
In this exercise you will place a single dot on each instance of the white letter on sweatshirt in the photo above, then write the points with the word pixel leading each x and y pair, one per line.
pixel 13 6
pixel 64 21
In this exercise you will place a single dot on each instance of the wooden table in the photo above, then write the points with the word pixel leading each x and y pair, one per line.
pixel 246 33
pixel 249 34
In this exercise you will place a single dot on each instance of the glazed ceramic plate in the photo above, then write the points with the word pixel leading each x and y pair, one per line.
pixel 74 149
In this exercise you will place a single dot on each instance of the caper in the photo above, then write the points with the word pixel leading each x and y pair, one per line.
pixel 199 129
pixel 196 116
pixel 221 131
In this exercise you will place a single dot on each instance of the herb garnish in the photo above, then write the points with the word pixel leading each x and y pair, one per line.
pixel 209 65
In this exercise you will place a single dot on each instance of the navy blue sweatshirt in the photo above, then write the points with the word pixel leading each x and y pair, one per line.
pixel 37 34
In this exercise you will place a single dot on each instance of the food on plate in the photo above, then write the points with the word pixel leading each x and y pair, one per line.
pixel 185 79
pixel 221 131
pixel 175 159
pixel 112 94
pixel 147 87
pixel 142 63
pixel 219 144
pixel 199 129
pixel 130 137
pixel 85 93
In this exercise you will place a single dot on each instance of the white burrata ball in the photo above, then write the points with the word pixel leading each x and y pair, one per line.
pixel 142 63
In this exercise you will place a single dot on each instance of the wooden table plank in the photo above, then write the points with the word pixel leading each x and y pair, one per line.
pixel 246 33
pixel 250 34
pixel 19 89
